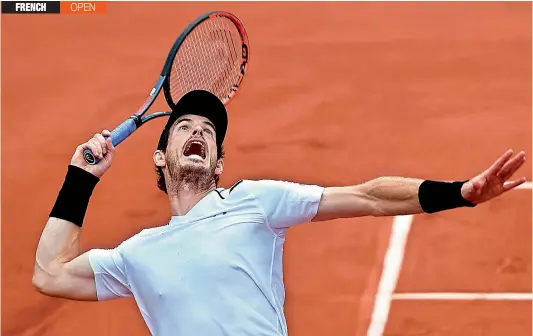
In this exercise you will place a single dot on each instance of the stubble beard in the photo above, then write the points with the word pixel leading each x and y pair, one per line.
pixel 189 176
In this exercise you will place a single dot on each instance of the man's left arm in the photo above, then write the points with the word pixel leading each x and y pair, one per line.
pixel 393 196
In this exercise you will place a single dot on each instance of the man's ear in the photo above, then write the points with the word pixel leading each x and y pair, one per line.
pixel 220 167
pixel 159 158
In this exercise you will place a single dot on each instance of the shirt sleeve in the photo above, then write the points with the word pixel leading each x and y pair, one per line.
pixel 287 204
pixel 109 273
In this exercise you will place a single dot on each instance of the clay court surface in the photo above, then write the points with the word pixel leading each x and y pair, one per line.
pixel 336 94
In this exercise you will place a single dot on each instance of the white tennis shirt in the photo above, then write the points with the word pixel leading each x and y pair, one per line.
pixel 218 269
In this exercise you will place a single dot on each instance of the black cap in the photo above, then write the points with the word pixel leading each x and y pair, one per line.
pixel 202 103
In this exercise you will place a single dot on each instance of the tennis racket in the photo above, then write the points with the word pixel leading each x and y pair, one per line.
pixel 210 54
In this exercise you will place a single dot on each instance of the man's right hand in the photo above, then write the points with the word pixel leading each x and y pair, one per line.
pixel 102 148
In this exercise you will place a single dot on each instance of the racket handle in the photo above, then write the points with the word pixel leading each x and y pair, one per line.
pixel 117 136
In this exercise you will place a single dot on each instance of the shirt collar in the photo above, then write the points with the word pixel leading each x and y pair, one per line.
pixel 199 209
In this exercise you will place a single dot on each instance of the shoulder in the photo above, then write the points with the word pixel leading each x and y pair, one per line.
pixel 257 187
pixel 256 190
pixel 140 238
pixel 263 184
pixel 275 189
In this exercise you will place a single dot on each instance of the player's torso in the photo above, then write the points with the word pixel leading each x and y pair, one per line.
pixel 219 264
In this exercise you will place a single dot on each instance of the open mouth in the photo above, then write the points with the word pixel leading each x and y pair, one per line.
pixel 195 147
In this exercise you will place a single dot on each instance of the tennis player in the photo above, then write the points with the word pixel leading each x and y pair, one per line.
pixel 216 267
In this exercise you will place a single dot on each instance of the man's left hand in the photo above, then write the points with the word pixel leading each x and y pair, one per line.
pixel 493 181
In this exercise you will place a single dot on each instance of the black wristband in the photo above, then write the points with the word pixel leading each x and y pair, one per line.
pixel 435 196
pixel 73 198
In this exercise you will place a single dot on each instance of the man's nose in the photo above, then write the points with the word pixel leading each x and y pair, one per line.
pixel 197 130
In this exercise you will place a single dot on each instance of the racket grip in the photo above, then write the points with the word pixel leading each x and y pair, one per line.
pixel 117 136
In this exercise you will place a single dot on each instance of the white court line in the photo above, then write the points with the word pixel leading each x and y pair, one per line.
pixel 462 296
pixel 525 185
pixel 391 270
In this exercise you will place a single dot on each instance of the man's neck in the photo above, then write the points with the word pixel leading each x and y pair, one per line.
pixel 186 198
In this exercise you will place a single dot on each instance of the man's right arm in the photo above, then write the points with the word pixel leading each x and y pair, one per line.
pixel 60 270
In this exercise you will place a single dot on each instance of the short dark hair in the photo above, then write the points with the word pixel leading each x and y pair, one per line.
pixel 162 145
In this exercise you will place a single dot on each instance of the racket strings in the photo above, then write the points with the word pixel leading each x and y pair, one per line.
pixel 224 67
pixel 223 55
pixel 209 59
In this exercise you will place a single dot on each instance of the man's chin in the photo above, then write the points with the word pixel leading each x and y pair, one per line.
pixel 196 166
pixel 193 160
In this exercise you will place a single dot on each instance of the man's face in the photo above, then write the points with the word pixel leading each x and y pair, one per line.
pixel 191 153
pixel 192 140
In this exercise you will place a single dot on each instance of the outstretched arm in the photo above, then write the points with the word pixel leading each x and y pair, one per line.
pixel 392 196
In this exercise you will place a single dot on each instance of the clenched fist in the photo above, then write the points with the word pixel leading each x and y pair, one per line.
pixel 101 148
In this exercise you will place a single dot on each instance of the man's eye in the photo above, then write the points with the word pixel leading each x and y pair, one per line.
pixel 183 127
pixel 208 131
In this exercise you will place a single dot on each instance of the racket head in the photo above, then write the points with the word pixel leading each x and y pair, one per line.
pixel 211 54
